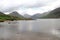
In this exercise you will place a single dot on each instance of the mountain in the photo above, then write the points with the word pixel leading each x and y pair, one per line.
pixel 4 17
pixel 16 14
pixel 11 17
pixel 53 14
pixel 27 16
pixel 1 13
pixel 38 15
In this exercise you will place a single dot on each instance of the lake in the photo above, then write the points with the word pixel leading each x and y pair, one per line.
pixel 10 29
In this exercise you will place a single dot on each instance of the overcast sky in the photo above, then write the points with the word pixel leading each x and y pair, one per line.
pixel 28 6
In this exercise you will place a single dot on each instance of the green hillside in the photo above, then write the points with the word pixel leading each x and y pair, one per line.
pixel 16 16
pixel 4 17
pixel 53 14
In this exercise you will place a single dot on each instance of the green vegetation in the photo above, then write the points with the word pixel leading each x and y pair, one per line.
pixel 4 17
pixel 7 17
pixel 53 14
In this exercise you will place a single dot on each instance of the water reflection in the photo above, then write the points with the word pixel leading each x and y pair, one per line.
pixel 9 29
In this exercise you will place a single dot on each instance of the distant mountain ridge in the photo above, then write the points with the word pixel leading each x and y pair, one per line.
pixel 27 16
pixel 35 16
pixel 16 14
pixel 38 15
pixel 4 17
pixel 20 16
pixel 53 14
pixel 1 13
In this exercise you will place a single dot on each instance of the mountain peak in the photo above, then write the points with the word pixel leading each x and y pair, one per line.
pixel 15 13
pixel 1 13
pixel 57 9
pixel 27 15
pixel 54 13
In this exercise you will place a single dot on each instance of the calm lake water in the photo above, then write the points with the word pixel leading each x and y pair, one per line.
pixel 50 26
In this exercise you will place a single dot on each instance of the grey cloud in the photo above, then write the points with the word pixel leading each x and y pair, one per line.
pixel 11 7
